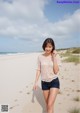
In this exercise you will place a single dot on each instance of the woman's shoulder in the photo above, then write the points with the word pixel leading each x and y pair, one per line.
pixel 40 56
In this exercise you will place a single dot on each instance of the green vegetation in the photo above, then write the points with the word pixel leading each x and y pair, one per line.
pixel 72 54
pixel 76 98
pixel 71 50
pixel 76 50
pixel 74 110
pixel 72 58
pixel 65 54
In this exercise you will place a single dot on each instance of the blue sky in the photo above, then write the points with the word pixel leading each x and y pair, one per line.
pixel 25 24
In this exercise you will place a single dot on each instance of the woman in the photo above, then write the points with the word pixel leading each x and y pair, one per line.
pixel 48 68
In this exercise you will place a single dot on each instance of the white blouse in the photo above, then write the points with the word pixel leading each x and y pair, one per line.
pixel 45 65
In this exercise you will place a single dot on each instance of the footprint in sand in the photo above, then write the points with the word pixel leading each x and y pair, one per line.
pixel 26 86
pixel 72 80
pixel 72 90
pixel 78 90
pixel 59 92
pixel 20 91
pixel 68 94
pixel 59 103
pixel 62 78
pixel 14 106
pixel 28 93
pixel 16 100
pixel 11 107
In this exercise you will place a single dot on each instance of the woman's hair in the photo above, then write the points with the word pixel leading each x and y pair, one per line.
pixel 48 40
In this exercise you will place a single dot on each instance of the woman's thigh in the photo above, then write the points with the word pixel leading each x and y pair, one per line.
pixel 46 95
pixel 52 95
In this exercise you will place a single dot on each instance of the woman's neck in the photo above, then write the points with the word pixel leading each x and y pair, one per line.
pixel 47 54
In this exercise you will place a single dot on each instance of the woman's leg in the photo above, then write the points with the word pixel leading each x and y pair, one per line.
pixel 46 96
pixel 51 99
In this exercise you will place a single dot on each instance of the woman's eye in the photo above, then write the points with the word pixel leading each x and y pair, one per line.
pixel 50 47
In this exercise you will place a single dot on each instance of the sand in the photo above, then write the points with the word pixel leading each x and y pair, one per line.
pixel 17 75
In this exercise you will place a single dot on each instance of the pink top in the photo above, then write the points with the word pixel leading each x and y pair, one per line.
pixel 45 65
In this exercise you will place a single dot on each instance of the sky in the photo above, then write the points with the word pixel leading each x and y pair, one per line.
pixel 25 24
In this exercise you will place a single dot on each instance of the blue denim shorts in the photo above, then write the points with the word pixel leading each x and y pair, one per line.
pixel 55 83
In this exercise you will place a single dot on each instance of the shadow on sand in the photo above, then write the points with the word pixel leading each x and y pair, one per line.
pixel 38 94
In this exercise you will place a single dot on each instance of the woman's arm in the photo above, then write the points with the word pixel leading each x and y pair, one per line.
pixel 36 79
pixel 55 64
pixel 37 76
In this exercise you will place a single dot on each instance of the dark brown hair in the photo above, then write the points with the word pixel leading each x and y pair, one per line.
pixel 48 40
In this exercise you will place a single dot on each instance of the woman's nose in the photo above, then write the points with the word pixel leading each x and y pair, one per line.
pixel 48 49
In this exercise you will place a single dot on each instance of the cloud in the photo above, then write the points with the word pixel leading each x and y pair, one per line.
pixel 26 20
pixel 21 18
pixel 67 27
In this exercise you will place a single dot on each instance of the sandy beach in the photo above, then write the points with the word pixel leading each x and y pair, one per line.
pixel 17 75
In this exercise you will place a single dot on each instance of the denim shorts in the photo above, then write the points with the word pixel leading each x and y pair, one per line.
pixel 53 84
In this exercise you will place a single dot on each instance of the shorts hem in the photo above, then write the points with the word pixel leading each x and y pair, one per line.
pixel 53 84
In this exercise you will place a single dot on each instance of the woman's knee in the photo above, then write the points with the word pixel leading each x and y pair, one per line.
pixel 50 105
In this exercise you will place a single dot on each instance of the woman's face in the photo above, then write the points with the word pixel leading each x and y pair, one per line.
pixel 48 48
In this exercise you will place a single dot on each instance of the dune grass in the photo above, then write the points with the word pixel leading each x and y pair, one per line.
pixel 65 54
pixel 72 58
pixel 76 50
pixel 76 99
pixel 72 54
pixel 74 110
pixel 73 50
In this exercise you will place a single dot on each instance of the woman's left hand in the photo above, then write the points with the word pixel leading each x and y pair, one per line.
pixel 54 53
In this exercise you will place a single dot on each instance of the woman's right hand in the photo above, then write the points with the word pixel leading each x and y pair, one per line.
pixel 35 86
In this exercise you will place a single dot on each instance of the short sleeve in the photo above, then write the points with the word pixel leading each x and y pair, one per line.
pixel 38 64
pixel 59 60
